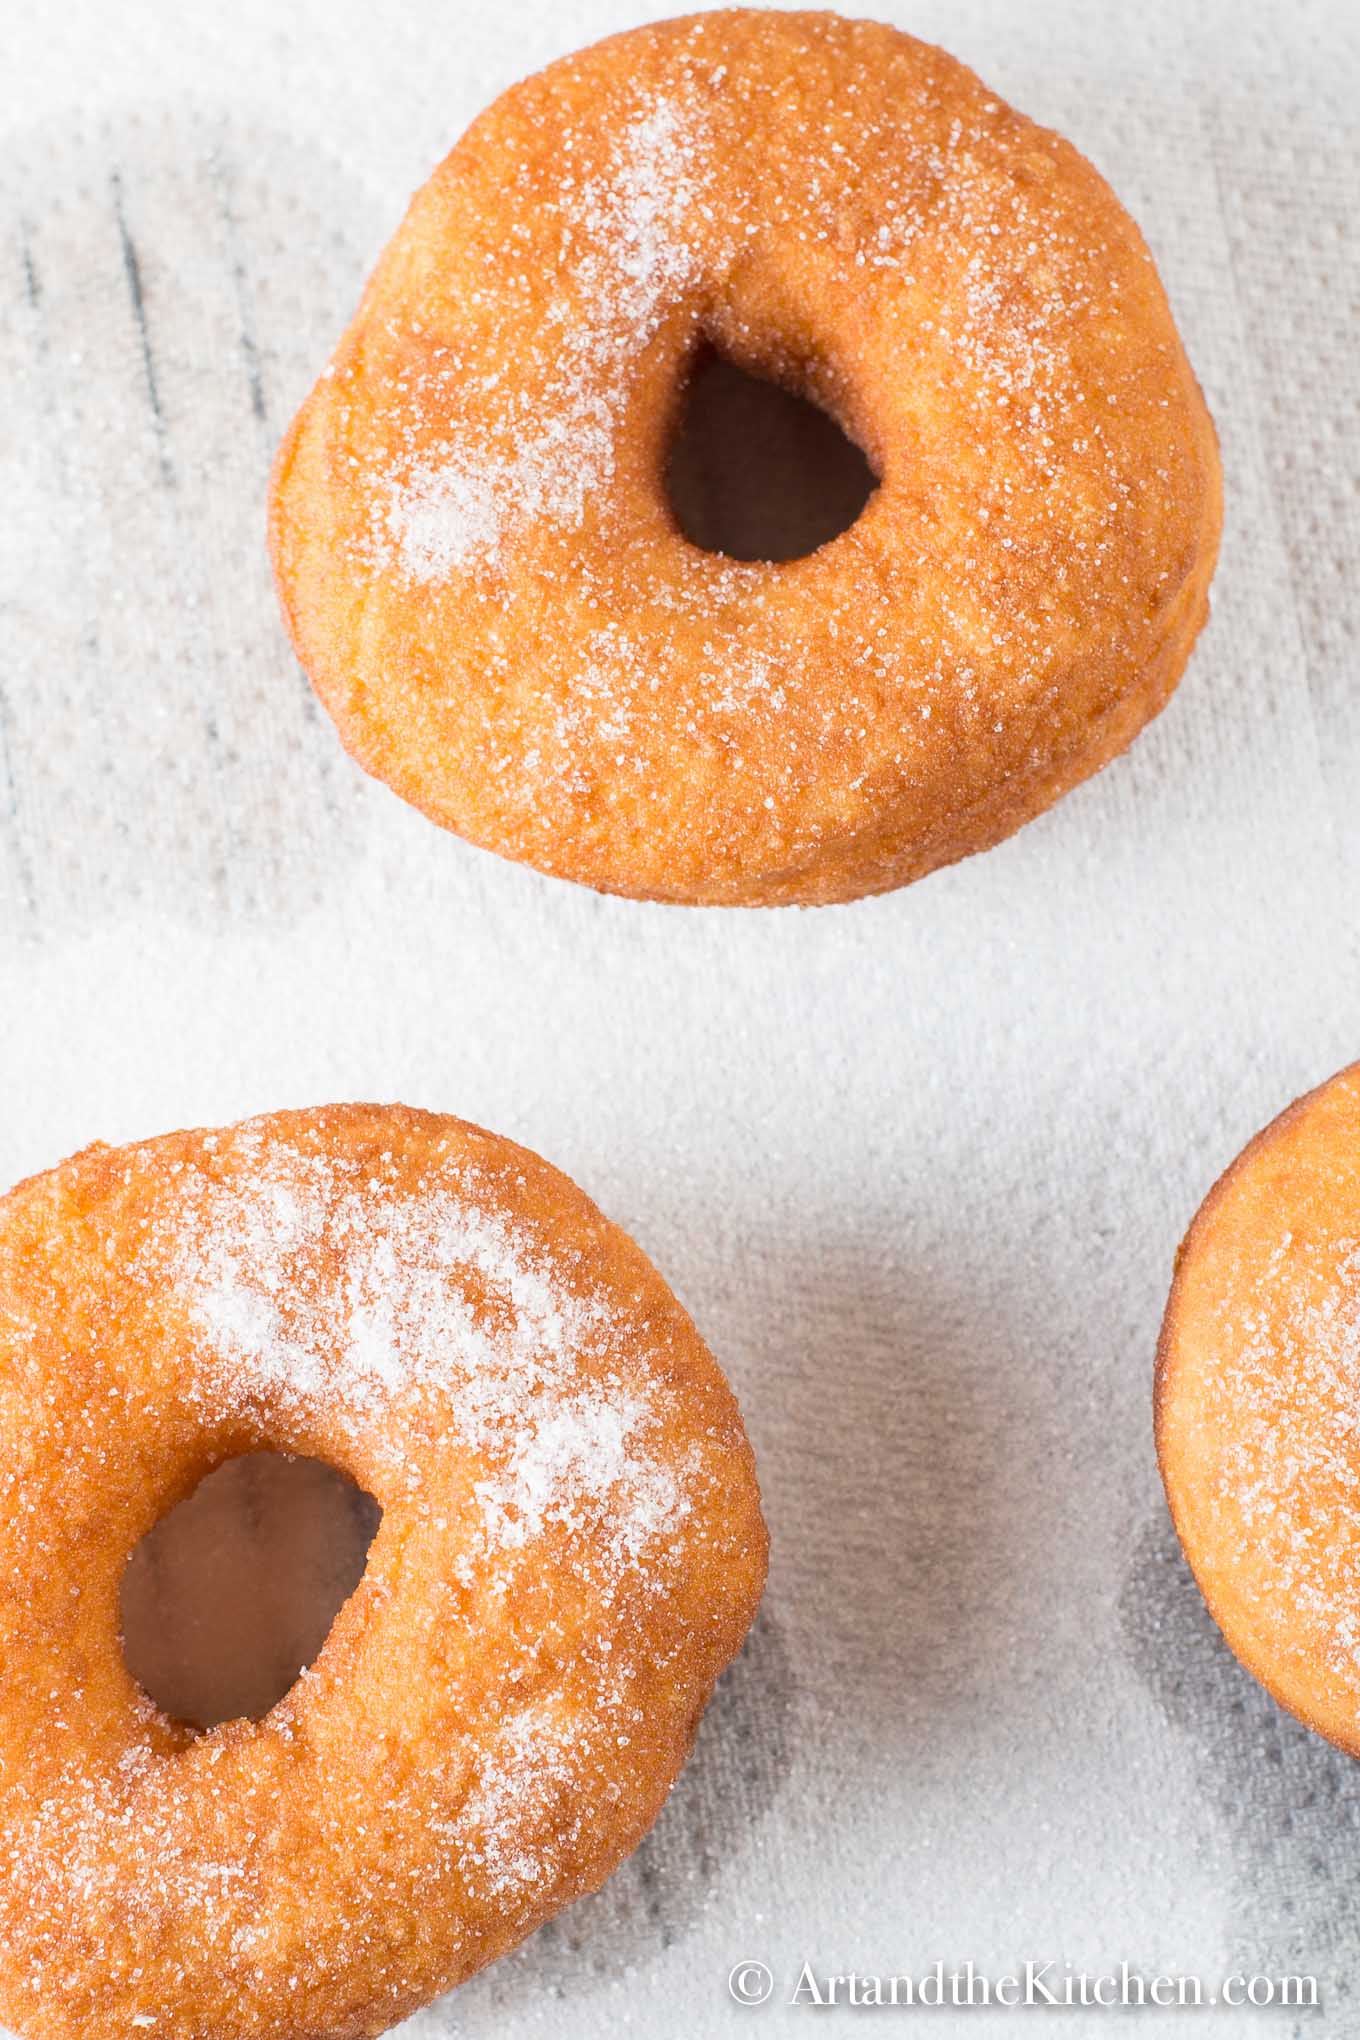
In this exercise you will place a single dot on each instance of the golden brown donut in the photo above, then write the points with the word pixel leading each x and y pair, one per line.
pixel 470 529
pixel 571 1550
pixel 1258 1406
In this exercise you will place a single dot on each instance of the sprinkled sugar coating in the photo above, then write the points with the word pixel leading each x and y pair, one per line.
pixel 1258 1406
pixel 571 1549
pixel 470 530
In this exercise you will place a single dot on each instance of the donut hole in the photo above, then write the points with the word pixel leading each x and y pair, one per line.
pixel 757 471
pixel 234 1591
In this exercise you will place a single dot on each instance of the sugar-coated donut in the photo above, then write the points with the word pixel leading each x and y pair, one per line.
pixel 1258 1406
pixel 470 529
pixel 571 1550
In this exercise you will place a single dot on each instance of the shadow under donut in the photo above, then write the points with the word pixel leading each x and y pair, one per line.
pixel 904 1529
pixel 169 284
pixel 1288 1800
pixel 756 471
pixel 235 1590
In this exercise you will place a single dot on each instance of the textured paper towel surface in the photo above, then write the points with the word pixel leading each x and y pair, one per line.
pixel 917 1166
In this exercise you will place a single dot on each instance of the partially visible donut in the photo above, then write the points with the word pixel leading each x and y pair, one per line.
pixel 571 1549
pixel 1258 1407
pixel 470 529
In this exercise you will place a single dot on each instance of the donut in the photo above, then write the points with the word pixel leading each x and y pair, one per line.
pixel 1257 1395
pixel 485 580
pixel 570 1550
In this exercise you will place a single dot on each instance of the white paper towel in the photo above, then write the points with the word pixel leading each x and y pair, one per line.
pixel 918 1166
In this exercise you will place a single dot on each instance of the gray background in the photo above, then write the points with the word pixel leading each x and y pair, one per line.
pixel 918 1166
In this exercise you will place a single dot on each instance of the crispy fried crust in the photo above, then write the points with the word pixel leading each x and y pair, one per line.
pixel 1257 1388
pixel 469 526
pixel 571 1550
